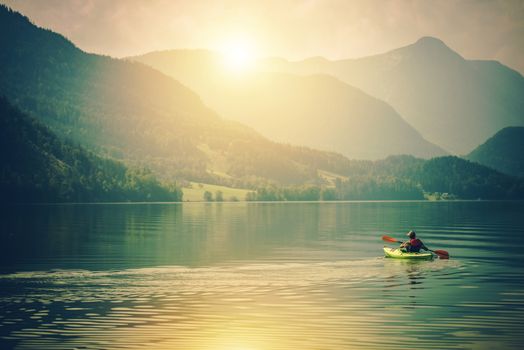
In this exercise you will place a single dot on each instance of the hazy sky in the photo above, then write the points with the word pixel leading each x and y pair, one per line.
pixel 293 29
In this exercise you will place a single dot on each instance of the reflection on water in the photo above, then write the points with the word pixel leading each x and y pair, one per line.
pixel 260 276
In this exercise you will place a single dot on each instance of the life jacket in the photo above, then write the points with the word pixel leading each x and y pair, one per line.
pixel 414 245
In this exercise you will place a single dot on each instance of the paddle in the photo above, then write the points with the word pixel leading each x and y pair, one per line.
pixel 441 253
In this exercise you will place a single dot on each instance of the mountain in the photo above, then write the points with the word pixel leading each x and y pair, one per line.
pixel 453 102
pixel 318 110
pixel 36 166
pixel 134 113
pixel 504 151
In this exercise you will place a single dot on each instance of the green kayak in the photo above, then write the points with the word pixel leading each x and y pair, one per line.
pixel 397 253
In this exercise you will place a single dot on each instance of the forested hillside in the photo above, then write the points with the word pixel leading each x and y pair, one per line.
pixel 36 166
pixel 504 151
pixel 407 177
pixel 132 112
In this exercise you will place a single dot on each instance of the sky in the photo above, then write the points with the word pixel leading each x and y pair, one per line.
pixel 290 29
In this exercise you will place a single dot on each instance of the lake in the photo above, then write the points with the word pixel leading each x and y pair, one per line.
pixel 253 276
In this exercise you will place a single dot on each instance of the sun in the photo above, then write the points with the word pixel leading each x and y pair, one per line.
pixel 238 54
pixel 237 58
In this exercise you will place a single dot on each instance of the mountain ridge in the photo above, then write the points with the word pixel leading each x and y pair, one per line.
pixel 317 110
pixel 134 113
pixel 131 112
pixel 435 89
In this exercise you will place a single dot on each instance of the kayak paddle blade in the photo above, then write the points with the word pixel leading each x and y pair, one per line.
pixel 441 254
pixel 389 239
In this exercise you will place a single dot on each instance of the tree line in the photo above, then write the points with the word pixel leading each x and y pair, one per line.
pixel 403 178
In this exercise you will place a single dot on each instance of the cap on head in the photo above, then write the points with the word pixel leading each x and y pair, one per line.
pixel 411 234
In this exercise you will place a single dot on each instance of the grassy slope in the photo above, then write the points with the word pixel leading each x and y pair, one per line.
pixel 196 192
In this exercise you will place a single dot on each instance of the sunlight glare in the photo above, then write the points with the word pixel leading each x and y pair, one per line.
pixel 238 54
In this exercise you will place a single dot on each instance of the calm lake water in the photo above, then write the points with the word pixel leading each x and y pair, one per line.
pixel 253 276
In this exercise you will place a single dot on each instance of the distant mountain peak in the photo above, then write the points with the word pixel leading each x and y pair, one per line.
pixel 432 47
pixel 430 41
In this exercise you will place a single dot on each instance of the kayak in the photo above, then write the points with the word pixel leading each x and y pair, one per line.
pixel 398 254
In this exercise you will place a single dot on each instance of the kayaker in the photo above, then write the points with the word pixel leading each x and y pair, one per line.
pixel 414 244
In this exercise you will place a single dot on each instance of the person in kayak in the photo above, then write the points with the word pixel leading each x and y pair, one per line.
pixel 414 244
